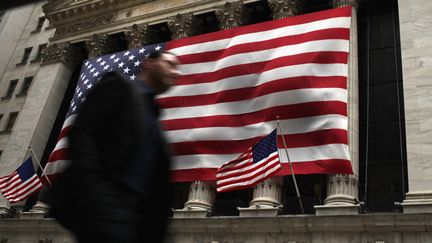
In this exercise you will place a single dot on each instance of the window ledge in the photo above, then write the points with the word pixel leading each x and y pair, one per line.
pixel 5 98
pixel 5 132
pixel 21 95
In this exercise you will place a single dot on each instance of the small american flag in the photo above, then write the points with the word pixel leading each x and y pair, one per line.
pixel 259 163
pixel 21 183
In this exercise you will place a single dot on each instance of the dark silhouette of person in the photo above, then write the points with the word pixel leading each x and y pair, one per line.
pixel 116 188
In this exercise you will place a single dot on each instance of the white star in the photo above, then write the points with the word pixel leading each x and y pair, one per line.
pixel 102 63
pixel 133 77
pixel 121 64
pixel 157 48
pixel 106 67
pixel 73 108
pixel 95 74
pixel 131 57
pixel 126 53
pixel 137 63
pixel 86 81
pixel 142 50
pixel 83 99
pixel 90 66
pixel 126 70
pixel 89 86
pixel 86 63
pixel 79 94
pixel 116 60
pixel 99 59
pixel 92 70
pixel 112 56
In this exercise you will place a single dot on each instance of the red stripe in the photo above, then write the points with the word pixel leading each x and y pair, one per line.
pixel 210 56
pixel 331 166
pixel 240 173
pixel 64 132
pixel 23 193
pixel 269 114
pixel 269 25
pixel 8 183
pixel 251 183
pixel 253 92
pixel 315 138
pixel 260 67
pixel 59 154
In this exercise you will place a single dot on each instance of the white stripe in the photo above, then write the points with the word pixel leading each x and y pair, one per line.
pixel 56 167
pixel 69 121
pixel 323 152
pixel 12 184
pixel 290 126
pixel 250 167
pixel 253 80
pixel 268 172
pixel 266 101
pixel 62 143
pixel 265 55
pixel 338 22
pixel 23 186
pixel 28 193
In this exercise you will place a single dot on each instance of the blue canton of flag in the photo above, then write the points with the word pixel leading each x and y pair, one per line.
pixel 126 62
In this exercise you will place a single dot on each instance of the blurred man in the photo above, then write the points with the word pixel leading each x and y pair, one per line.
pixel 116 188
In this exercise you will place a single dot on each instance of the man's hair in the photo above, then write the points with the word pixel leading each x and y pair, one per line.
pixel 157 54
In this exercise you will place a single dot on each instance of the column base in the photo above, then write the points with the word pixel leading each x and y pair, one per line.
pixel 39 211
pixel 259 211
pixel 191 213
pixel 5 212
pixel 417 202
pixel 327 210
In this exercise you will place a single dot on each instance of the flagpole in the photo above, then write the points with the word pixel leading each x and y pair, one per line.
pixel 40 166
pixel 291 167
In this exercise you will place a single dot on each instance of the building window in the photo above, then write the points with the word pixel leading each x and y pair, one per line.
pixel 1 152
pixel 26 56
pixel 1 116
pixel 26 85
pixel 11 89
pixel 39 26
pixel 12 118
pixel 39 52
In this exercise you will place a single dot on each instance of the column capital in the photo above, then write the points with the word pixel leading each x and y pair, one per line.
pixel 183 25
pixel 138 35
pixel 231 15
pixel 99 45
pixel 284 8
pixel 344 3
pixel 62 52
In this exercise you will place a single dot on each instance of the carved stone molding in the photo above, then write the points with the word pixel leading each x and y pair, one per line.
pixel 285 8
pixel 344 3
pixel 87 24
pixel 63 52
pixel 183 25
pixel 138 35
pixel 100 45
pixel 232 15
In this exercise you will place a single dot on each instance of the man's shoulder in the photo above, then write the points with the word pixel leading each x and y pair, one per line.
pixel 114 79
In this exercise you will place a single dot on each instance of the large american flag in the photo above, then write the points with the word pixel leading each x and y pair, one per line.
pixel 235 85
pixel 259 163
pixel 22 183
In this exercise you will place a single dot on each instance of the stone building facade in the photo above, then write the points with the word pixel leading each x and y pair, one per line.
pixel 344 210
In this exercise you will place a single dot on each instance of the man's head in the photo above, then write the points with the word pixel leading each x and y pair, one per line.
pixel 160 70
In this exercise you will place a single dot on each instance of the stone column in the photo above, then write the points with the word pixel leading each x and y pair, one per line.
pixel 285 8
pixel 201 193
pixel 138 35
pixel 183 25
pixel 99 45
pixel 342 190
pixel 415 34
pixel 231 15
pixel 35 121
